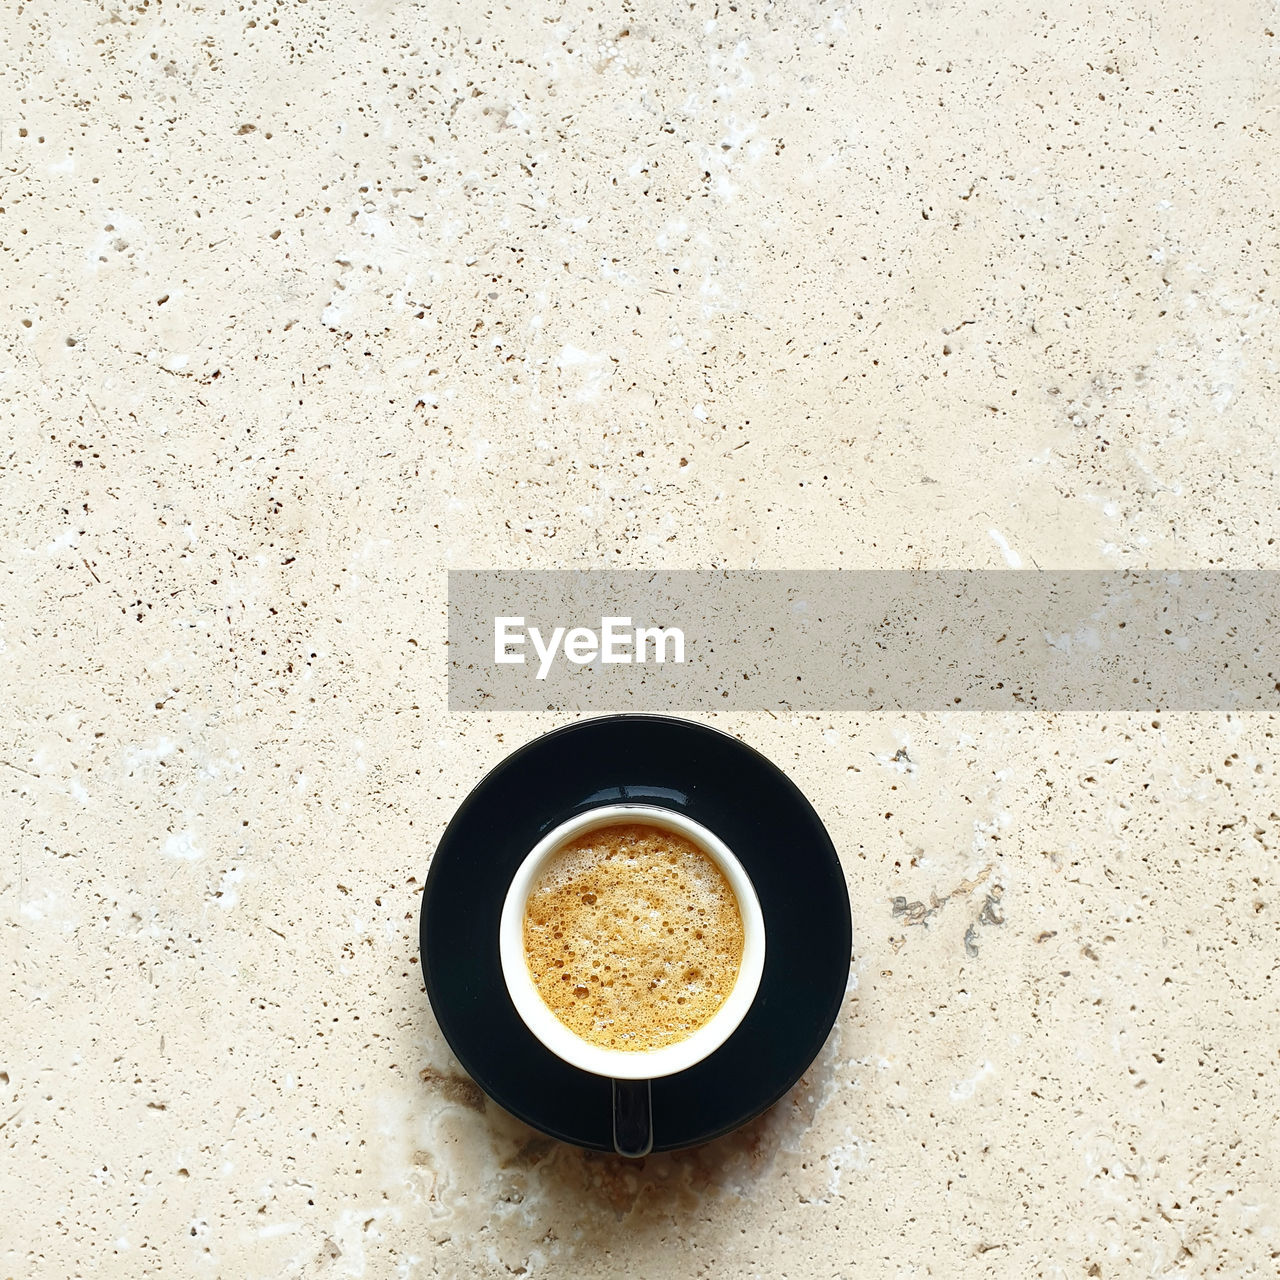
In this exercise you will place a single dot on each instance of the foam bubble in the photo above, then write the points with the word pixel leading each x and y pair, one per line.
pixel 633 936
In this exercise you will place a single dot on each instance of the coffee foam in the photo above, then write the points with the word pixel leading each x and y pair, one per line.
pixel 632 936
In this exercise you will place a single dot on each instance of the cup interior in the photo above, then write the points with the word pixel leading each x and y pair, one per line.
pixel 626 1064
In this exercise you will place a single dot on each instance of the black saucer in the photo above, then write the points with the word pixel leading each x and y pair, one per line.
pixel 722 783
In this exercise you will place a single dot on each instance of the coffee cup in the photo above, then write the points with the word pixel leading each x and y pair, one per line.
pixel 632 1068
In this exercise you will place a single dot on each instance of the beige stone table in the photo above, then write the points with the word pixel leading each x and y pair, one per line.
pixel 306 303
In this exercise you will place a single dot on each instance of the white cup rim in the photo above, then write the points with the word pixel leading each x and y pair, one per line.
pixel 625 1064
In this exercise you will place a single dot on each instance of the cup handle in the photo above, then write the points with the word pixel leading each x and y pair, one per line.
pixel 632 1118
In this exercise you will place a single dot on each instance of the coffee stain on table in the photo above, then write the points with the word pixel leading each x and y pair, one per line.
pixel 454 1088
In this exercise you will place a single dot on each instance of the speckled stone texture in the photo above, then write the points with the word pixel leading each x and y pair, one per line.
pixel 305 303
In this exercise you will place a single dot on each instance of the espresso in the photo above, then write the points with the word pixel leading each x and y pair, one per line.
pixel 632 936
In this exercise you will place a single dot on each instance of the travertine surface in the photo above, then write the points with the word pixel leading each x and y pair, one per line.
pixel 307 302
